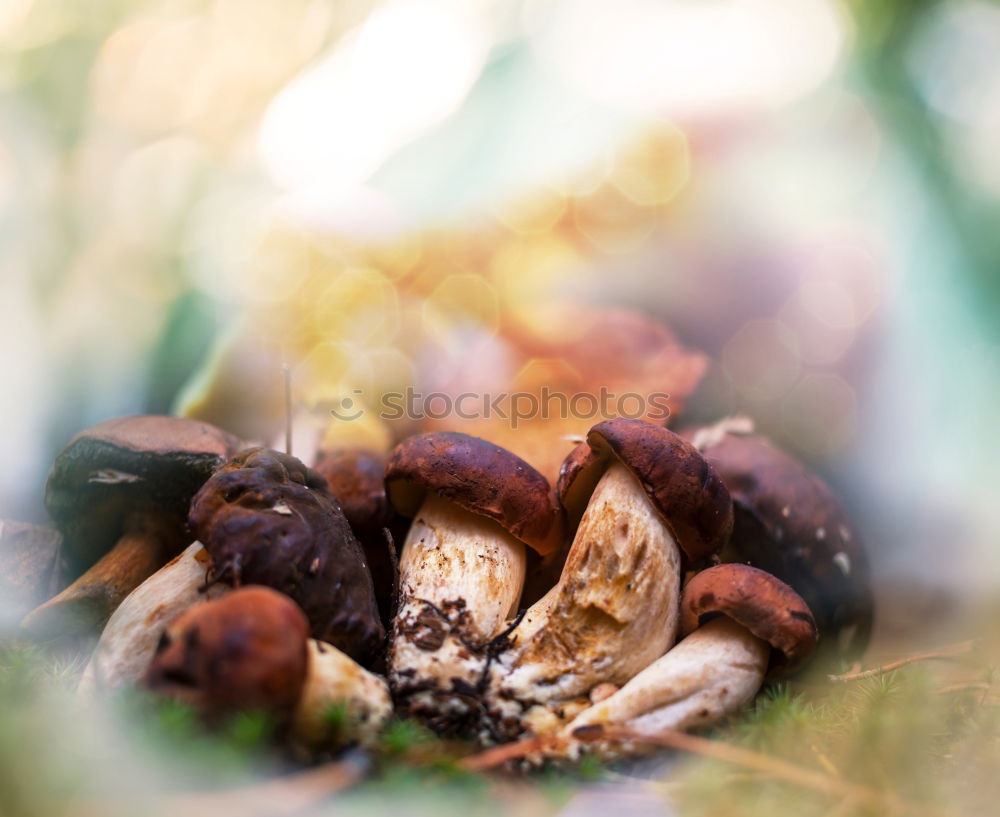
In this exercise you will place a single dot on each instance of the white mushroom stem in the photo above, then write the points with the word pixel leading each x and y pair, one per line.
pixel 129 639
pixel 614 610
pixel 341 702
pixel 713 672
pixel 460 578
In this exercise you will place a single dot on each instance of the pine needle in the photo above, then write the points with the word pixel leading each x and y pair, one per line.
pixel 765 764
pixel 952 651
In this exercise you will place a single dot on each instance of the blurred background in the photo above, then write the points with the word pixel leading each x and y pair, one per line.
pixel 382 194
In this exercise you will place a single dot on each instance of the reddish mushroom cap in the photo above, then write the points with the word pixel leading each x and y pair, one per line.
pixel 356 477
pixel 245 651
pixel 680 483
pixel 789 523
pixel 478 476
pixel 762 603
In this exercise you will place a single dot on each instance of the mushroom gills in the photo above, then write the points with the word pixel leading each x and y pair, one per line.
pixel 129 640
pixel 615 609
pixel 341 702
pixel 713 672
pixel 89 601
pixel 461 577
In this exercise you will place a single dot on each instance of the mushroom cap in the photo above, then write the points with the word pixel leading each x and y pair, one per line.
pixel 114 468
pixel 356 477
pixel 754 599
pixel 268 519
pixel 245 651
pixel 478 476
pixel 789 523
pixel 574 493
pixel 680 483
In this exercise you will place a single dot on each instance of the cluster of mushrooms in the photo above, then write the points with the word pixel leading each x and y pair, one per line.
pixel 656 585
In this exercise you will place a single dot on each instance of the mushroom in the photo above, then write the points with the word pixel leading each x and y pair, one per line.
pixel 337 685
pixel 245 651
pixel 653 501
pixel 475 506
pixel 129 639
pixel 267 519
pixel 30 568
pixel 738 622
pixel 250 651
pixel 789 523
pixel 356 477
pixel 119 493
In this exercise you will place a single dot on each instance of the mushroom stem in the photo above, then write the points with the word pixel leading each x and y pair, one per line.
pixel 128 642
pixel 461 577
pixel 714 671
pixel 83 607
pixel 341 702
pixel 615 608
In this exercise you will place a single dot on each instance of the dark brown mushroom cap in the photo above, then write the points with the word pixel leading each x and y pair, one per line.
pixel 681 485
pixel 356 477
pixel 247 651
pixel 762 603
pixel 145 463
pixel 267 519
pixel 789 523
pixel 478 476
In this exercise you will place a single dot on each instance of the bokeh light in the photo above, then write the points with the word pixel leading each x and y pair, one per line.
pixel 780 208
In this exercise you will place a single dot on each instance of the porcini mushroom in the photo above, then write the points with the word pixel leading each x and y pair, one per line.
pixel 336 684
pixel 356 477
pixel 119 493
pixel 789 523
pixel 651 501
pixel 250 651
pixel 738 623
pixel 131 635
pixel 267 519
pixel 245 651
pixel 475 506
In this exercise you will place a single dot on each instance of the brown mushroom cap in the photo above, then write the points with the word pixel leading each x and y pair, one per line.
pixel 478 476
pixel 681 485
pixel 789 523
pixel 762 603
pixel 573 492
pixel 245 651
pixel 147 463
pixel 356 477
pixel 267 519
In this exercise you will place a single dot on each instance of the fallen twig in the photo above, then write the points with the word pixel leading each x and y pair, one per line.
pixel 738 756
pixel 884 802
pixel 498 755
pixel 944 652
pixel 967 686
